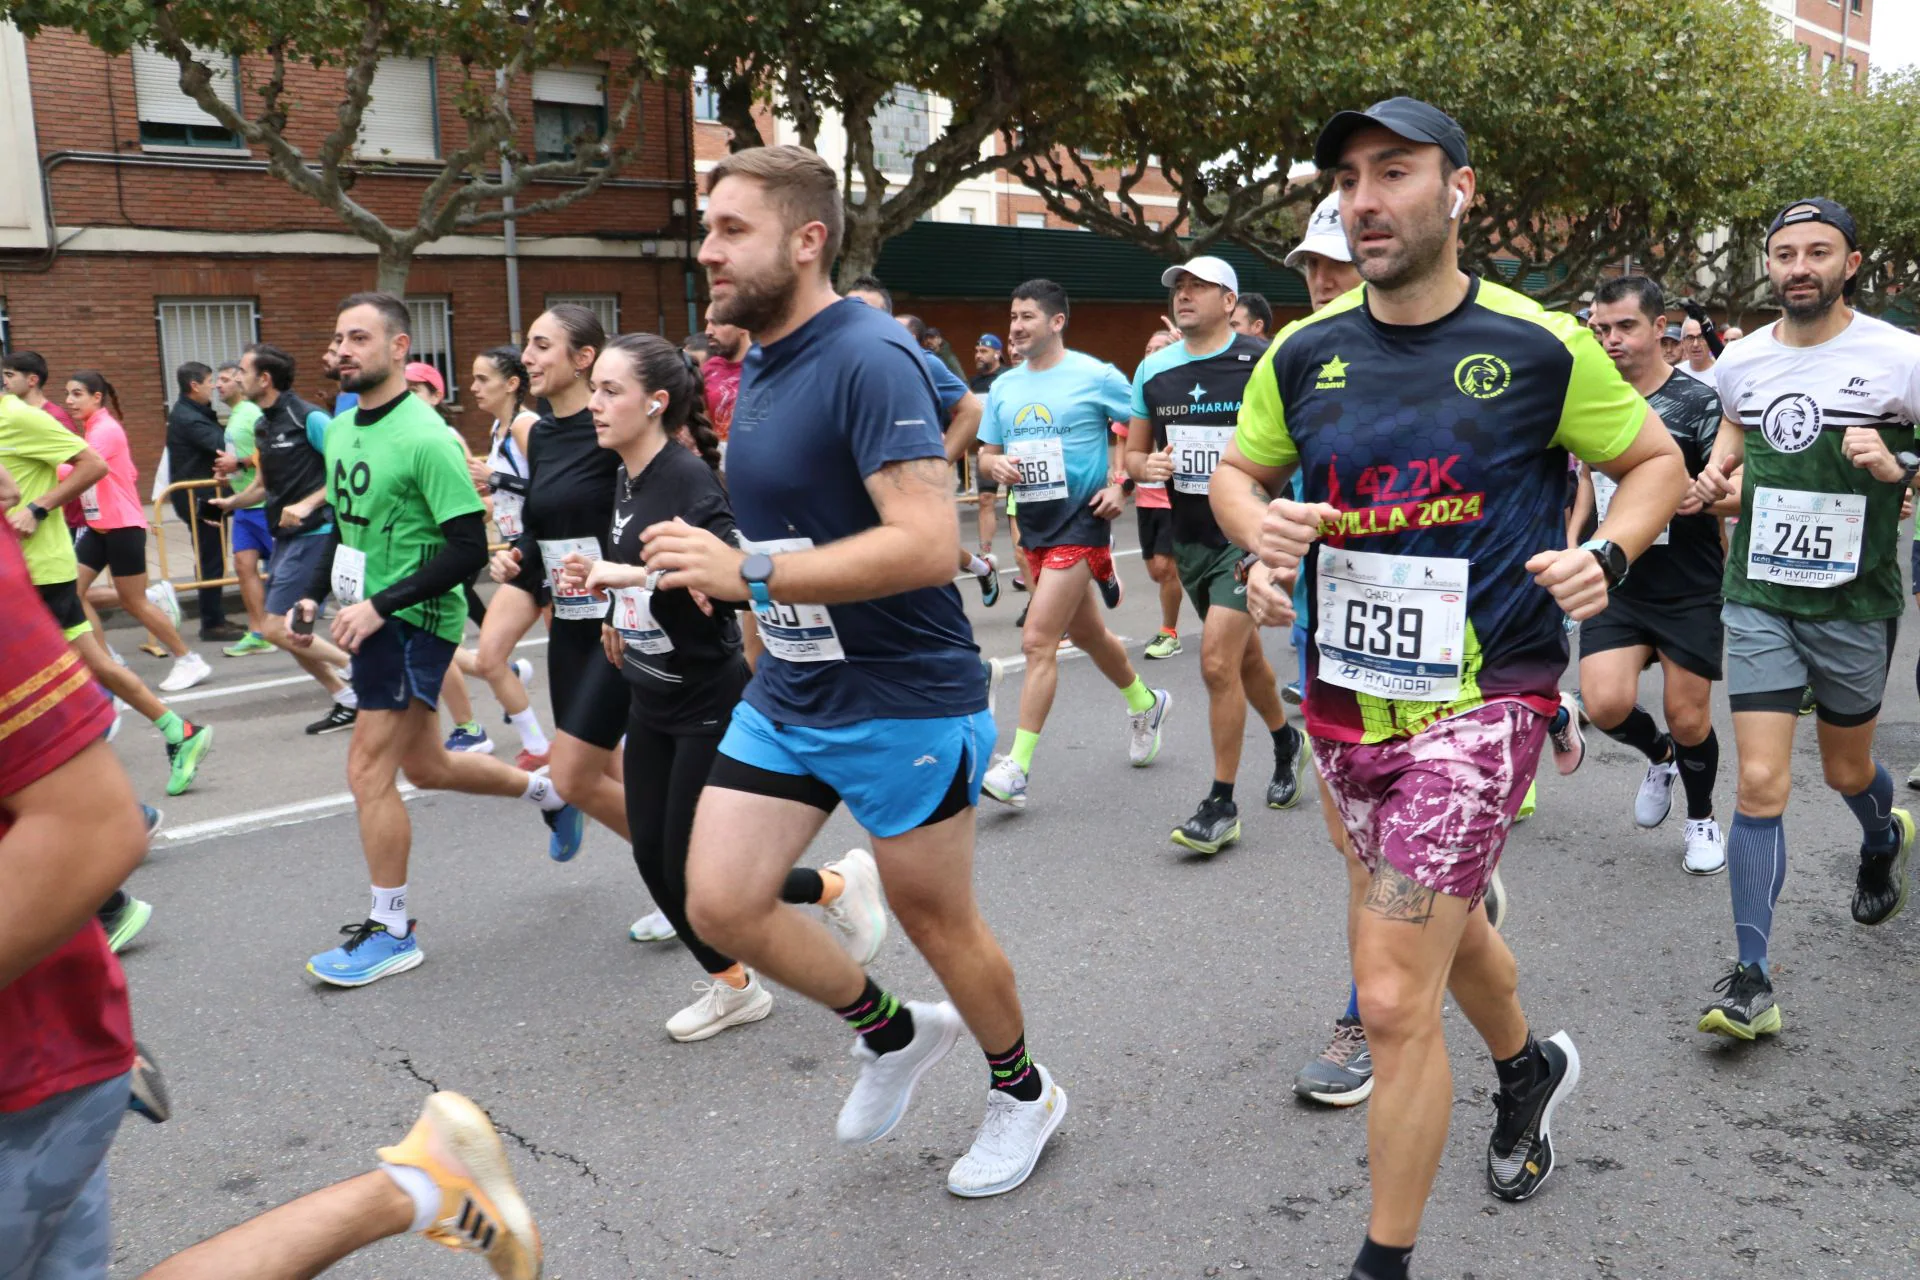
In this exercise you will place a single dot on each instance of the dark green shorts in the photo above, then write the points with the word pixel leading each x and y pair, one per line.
pixel 1207 574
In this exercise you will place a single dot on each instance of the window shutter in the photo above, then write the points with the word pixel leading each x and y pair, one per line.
pixel 585 88
pixel 399 121
pixel 157 92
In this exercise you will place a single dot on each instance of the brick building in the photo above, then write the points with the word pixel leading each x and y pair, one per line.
pixel 1832 34
pixel 137 234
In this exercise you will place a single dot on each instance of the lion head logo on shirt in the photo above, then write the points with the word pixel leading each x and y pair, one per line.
pixel 1791 423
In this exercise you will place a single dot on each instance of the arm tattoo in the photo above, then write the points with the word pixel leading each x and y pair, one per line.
pixel 1392 896
pixel 1260 491
pixel 918 473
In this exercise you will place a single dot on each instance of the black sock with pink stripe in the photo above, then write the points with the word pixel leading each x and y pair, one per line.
pixel 882 1021
pixel 1013 1072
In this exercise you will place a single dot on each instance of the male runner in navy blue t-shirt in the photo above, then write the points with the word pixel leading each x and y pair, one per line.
pixel 871 689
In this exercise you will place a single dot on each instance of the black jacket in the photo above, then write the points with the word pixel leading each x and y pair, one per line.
pixel 194 435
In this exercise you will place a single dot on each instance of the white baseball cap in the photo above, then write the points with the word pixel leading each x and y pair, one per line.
pixel 1325 236
pixel 1205 267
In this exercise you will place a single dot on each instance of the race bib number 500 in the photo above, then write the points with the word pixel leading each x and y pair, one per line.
pixel 1196 455
pixel 1392 626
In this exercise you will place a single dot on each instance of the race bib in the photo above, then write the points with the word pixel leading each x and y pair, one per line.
pixel 90 502
pixel 795 632
pixel 1196 454
pixel 568 603
pixel 1391 626
pixel 1604 487
pixel 633 619
pixel 1802 539
pixel 349 574
pixel 507 508
pixel 1043 469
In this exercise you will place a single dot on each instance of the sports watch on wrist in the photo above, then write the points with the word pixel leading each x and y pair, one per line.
pixel 1909 466
pixel 37 511
pixel 1613 561
pixel 754 571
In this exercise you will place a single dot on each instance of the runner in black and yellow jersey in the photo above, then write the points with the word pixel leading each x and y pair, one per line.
pixel 1431 414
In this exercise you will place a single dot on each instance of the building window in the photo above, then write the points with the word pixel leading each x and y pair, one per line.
pixel 901 129
pixel 567 105
pixel 401 122
pixel 168 117
pixel 6 330
pixel 1031 221
pixel 706 99
pixel 211 331
pixel 605 307
pixel 966 215
pixel 431 320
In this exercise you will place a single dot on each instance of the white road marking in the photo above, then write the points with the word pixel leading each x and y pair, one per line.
pixel 281 815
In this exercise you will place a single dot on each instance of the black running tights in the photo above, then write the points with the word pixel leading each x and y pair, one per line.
pixel 664 775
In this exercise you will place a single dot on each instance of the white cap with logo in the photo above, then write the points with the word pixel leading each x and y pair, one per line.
pixel 1325 236
pixel 1205 267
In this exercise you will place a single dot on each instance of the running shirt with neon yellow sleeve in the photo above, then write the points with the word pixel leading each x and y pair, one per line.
pixel 1445 446
pixel 394 475
pixel 32 447
pixel 1819 537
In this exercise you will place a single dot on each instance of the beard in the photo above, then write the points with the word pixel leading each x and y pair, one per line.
pixel 1827 293
pixel 1422 246
pixel 759 304
pixel 365 378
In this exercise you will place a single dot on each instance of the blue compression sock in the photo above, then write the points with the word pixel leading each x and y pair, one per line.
pixel 1353 1002
pixel 1874 808
pixel 1756 869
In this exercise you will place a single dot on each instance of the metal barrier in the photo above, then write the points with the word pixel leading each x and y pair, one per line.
pixel 158 526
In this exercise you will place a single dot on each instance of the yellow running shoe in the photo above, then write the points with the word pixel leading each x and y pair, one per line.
pixel 481 1211
pixel 1528 803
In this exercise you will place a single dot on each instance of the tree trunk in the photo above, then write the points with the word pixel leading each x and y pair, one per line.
pixel 859 248
pixel 395 265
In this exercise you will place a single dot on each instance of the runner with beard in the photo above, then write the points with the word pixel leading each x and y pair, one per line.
pixel 1818 442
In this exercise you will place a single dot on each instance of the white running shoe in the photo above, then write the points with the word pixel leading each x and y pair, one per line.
pixel 1655 801
pixel 1143 730
pixel 653 928
pixel 859 914
pixel 996 672
pixel 885 1087
pixel 1706 852
pixel 164 598
pixel 1006 782
pixel 718 1007
pixel 1569 744
pixel 1010 1139
pixel 524 669
pixel 189 669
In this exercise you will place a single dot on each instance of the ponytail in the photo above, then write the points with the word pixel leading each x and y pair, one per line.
pixel 96 383
pixel 664 367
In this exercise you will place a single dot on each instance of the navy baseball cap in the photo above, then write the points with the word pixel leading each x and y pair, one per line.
pixel 1411 118
pixel 989 340
pixel 1819 209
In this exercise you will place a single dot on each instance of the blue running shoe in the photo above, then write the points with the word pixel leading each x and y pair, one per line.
pixel 152 817
pixel 469 737
pixel 369 954
pixel 569 827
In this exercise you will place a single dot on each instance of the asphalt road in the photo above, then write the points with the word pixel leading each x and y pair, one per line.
pixel 1172 997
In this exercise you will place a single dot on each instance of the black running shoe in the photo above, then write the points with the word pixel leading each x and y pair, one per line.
pixel 1213 826
pixel 1021 621
pixel 989 584
pixel 1342 1076
pixel 1745 1009
pixel 1520 1152
pixel 1283 792
pixel 149 1097
pixel 338 717
pixel 1112 590
pixel 1880 888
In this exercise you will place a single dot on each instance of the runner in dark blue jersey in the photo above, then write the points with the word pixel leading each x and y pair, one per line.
pixel 871 689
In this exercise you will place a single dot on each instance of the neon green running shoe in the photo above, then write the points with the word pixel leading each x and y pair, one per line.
pixel 1528 804
pixel 127 922
pixel 253 642
pixel 1164 645
pixel 185 757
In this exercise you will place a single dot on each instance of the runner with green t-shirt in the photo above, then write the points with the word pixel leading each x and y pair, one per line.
pixel 1818 441
pixel 252 539
pixel 411 530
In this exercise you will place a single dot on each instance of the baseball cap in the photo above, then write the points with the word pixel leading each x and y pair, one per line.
pixel 1674 333
pixel 1819 209
pixel 989 340
pixel 1411 118
pixel 1325 236
pixel 1205 267
pixel 421 371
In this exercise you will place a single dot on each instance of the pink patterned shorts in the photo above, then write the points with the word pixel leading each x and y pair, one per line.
pixel 1437 806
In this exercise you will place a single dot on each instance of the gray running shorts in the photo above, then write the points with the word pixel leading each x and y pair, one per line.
pixel 1773 657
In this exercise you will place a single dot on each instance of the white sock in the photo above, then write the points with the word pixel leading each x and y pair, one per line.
pixel 347 698
pixel 420 1188
pixel 541 791
pixel 532 737
pixel 978 567
pixel 390 909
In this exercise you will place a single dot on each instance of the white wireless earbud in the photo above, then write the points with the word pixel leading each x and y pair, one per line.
pixel 1459 203
pixel 653 408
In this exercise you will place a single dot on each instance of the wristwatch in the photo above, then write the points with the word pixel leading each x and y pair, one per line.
pixel 37 511
pixel 1613 561
pixel 1909 466
pixel 755 570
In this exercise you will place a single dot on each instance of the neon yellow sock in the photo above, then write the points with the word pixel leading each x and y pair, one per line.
pixel 1024 741
pixel 172 728
pixel 1139 697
